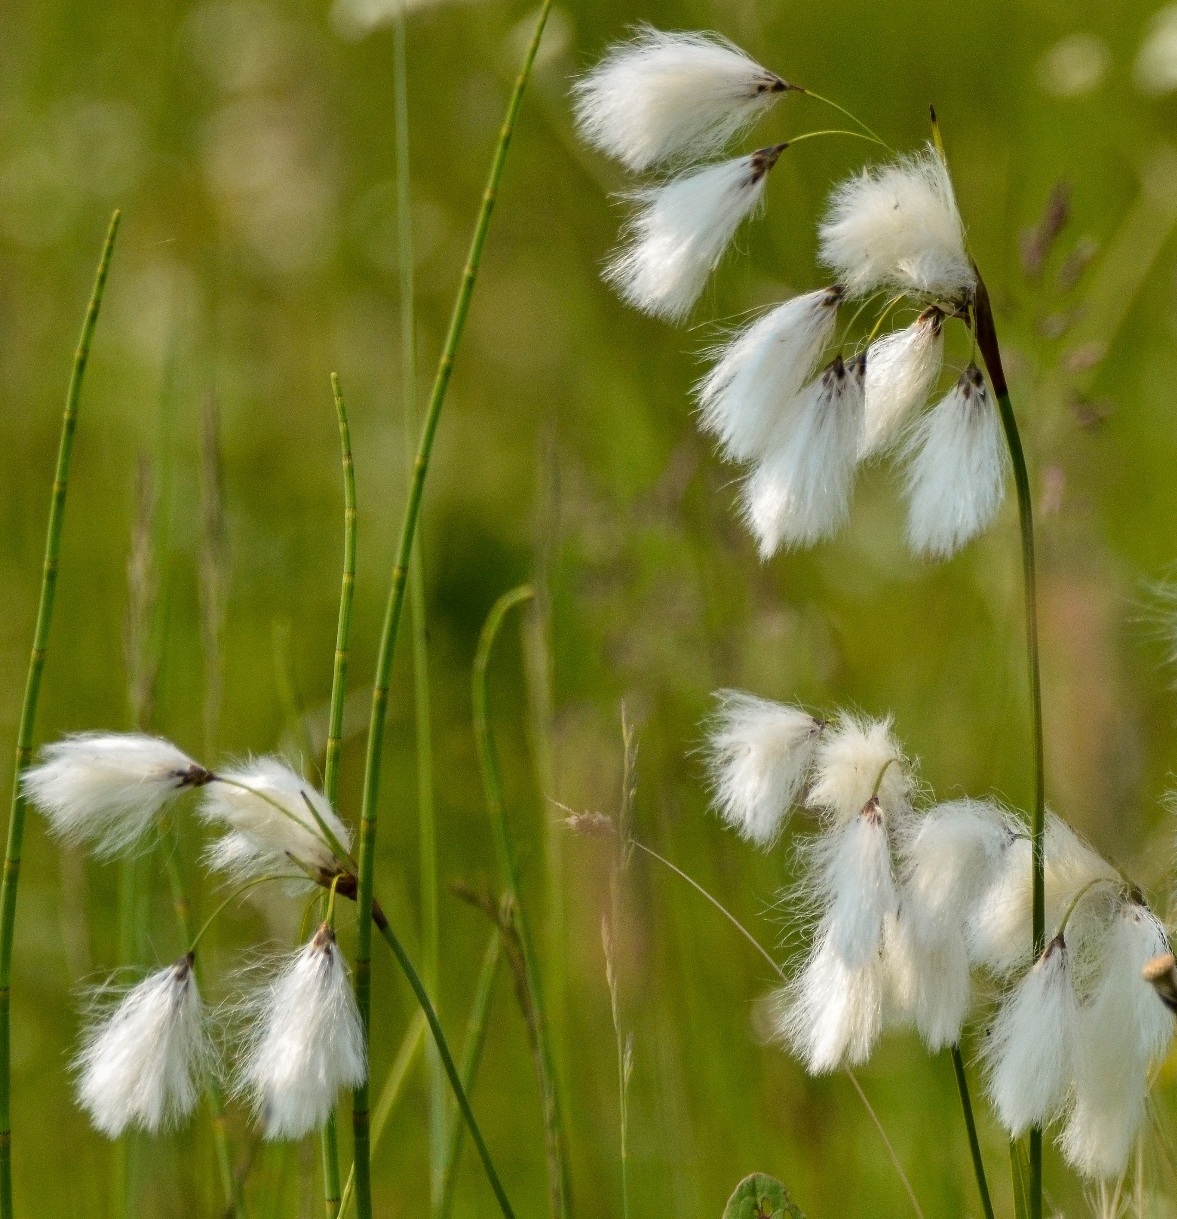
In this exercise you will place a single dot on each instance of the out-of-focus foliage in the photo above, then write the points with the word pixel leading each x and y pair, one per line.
pixel 251 149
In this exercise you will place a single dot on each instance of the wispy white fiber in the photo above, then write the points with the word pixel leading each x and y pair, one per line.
pixel 1123 1031
pixel 1030 1052
pixel 1000 929
pixel 800 492
pixel 897 226
pixel 306 1043
pixel 851 757
pixel 955 469
pixel 106 788
pixel 901 371
pixel 680 230
pixel 143 1064
pixel 665 96
pixel 263 803
pixel 762 369
pixel 928 980
pixel 759 754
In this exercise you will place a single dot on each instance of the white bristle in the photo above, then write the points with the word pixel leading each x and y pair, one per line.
pixel 901 371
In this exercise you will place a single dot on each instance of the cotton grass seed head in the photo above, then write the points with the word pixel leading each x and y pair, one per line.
pixel 680 230
pixel 669 96
pixel 759 372
pixel 859 758
pixel 901 371
pixel 897 226
pixel 800 491
pixel 306 1041
pixel 264 805
pixel 106 789
pixel 143 1064
pixel 759 754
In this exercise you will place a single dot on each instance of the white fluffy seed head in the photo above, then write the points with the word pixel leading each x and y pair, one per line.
pixel 107 788
pixel 898 226
pixel 858 758
pixel 928 981
pixel 759 372
pixel 901 371
pixel 263 803
pixel 831 1014
pixel 668 96
pixel 955 469
pixel 759 754
pixel 680 230
pixel 143 1064
pixel 800 492
pixel 1123 1030
pixel 1000 928
pixel 306 1042
pixel 1030 1051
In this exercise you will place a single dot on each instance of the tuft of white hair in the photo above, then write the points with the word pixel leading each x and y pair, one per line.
pixel 800 492
pixel 1000 929
pixel 143 1065
pixel 858 758
pixel 762 369
pixel 307 1041
pixel 666 96
pixel 107 788
pixel 759 754
pixel 897 226
pixel 263 803
pixel 680 230
pixel 1123 1031
pixel 831 1014
pixel 1030 1052
pixel 955 469
pixel 901 371
pixel 947 859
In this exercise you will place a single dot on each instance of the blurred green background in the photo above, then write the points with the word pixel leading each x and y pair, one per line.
pixel 250 147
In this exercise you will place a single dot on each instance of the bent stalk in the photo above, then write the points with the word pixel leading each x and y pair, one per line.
pixel 28 714
pixel 395 608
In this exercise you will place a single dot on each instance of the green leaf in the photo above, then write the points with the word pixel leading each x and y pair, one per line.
pixel 1020 1168
pixel 761 1197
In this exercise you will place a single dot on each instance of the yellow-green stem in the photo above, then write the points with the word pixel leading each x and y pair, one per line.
pixel 395 607
pixel 558 1175
pixel 28 714
pixel 966 1104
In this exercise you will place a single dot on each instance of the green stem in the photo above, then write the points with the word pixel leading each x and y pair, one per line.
pixel 558 1176
pixel 28 714
pixel 476 1029
pixel 966 1105
pixel 986 335
pixel 825 101
pixel 330 1139
pixel 447 1061
pixel 213 1095
pixel 395 607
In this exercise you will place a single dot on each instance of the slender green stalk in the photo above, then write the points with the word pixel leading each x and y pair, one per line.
pixel 396 599
pixel 331 1193
pixel 966 1105
pixel 986 335
pixel 394 1084
pixel 447 1061
pixel 558 1175
pixel 28 714
pixel 476 1029
pixel 423 730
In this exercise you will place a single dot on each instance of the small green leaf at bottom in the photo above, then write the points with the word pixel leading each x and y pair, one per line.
pixel 761 1197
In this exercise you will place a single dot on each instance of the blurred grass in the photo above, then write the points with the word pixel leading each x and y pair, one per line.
pixel 252 153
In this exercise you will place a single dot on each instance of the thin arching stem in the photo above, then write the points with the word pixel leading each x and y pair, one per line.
pixel 28 714
pixel 966 1104
pixel 558 1176
pixel 817 97
pixel 809 135
pixel 986 335
pixel 395 607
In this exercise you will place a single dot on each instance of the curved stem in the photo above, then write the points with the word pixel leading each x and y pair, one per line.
pixel 558 1174
pixel 817 97
pixel 986 335
pixel 966 1105
pixel 447 1061
pixel 395 608
pixel 327 838
pixel 28 714
pixel 809 135
pixel 237 892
